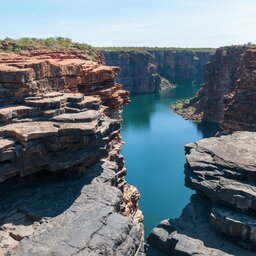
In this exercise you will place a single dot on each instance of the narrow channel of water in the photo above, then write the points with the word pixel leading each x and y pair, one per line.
pixel 154 152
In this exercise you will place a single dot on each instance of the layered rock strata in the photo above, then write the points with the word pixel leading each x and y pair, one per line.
pixel 221 219
pixel 60 120
pixel 138 72
pixel 147 71
pixel 240 108
pixel 221 76
pixel 181 66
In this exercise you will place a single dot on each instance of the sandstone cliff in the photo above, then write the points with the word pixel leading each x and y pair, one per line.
pixel 221 75
pixel 138 72
pixel 181 66
pixel 60 121
pixel 240 108
pixel 141 71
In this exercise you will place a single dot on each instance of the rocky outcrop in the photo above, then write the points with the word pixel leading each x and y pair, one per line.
pixel 145 71
pixel 221 75
pixel 60 121
pixel 240 109
pixel 221 219
pixel 138 72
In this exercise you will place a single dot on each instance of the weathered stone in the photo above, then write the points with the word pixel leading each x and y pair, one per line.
pixel 234 224
pixel 7 113
pixel 86 116
pixel 240 106
pixel 220 219
pixel 191 234
pixel 224 169
pixel 61 113
pixel 221 75
pixel 89 208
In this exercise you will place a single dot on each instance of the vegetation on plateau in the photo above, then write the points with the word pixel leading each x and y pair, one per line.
pixel 142 49
pixel 51 43
pixel 63 44
pixel 195 49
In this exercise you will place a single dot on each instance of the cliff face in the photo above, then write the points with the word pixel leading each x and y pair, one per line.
pixel 141 72
pixel 221 75
pixel 181 67
pixel 138 72
pixel 240 108
pixel 60 120
pixel 220 219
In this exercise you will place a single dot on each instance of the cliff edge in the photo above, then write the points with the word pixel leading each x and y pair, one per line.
pixel 62 175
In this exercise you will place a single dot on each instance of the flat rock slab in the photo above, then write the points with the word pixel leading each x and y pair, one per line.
pixel 26 131
pixel 47 102
pixel 29 130
pixel 224 168
pixel 86 116
pixel 9 112
pixel 232 151
pixel 234 224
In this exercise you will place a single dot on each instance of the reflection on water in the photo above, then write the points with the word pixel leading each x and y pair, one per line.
pixel 154 152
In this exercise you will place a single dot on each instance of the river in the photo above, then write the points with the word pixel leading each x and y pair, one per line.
pixel 154 139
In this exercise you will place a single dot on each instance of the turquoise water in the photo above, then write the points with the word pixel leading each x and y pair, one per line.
pixel 154 139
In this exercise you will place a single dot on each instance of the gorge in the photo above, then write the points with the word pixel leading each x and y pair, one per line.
pixel 148 70
pixel 65 185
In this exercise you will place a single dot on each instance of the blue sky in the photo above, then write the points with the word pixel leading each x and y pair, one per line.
pixel 180 23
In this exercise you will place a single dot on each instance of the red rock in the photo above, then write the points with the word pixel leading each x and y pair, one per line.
pixel 240 108
pixel 221 75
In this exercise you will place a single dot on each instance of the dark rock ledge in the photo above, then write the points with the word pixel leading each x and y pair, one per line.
pixel 60 215
pixel 221 218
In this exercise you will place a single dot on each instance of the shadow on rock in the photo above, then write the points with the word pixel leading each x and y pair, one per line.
pixel 42 195
pixel 192 234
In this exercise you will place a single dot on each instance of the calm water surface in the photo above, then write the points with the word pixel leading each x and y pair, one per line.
pixel 154 152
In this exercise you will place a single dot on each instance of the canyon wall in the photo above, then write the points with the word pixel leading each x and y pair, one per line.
pixel 221 217
pixel 138 72
pixel 240 107
pixel 221 75
pixel 62 175
pixel 181 66
pixel 142 71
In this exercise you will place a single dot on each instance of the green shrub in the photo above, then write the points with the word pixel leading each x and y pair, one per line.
pixel 51 43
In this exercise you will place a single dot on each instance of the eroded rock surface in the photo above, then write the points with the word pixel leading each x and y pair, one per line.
pixel 240 109
pixel 192 234
pixel 68 215
pixel 221 219
pixel 60 120
pixel 221 75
